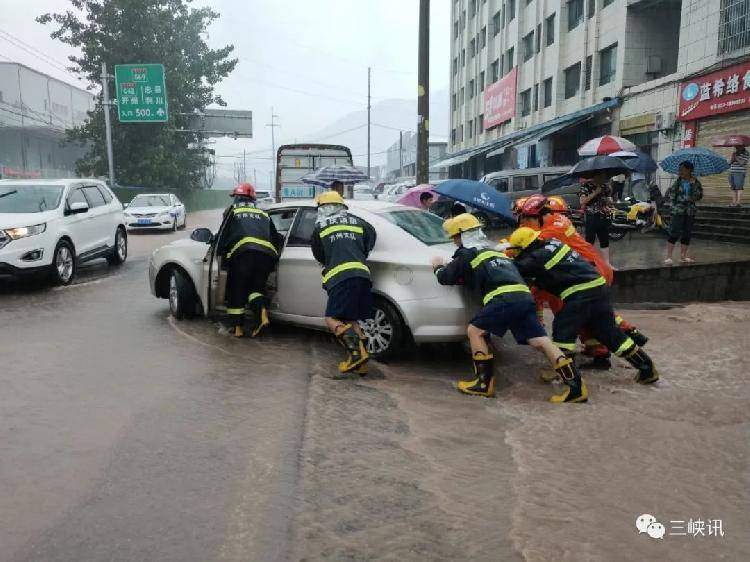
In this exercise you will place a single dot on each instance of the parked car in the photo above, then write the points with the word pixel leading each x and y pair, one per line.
pixel 395 192
pixel 410 306
pixel 364 192
pixel 49 227
pixel 522 183
pixel 263 198
pixel 155 211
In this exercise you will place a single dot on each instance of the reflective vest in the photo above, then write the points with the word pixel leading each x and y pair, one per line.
pixel 249 228
pixel 344 241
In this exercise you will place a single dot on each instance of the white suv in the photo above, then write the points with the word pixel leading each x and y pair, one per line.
pixel 50 226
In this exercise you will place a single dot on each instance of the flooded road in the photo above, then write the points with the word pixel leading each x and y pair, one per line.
pixel 125 435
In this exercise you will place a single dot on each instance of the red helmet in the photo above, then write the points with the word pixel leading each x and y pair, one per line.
pixel 557 205
pixel 244 190
pixel 518 205
pixel 534 206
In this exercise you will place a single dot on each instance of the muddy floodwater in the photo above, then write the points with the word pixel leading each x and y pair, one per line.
pixel 126 435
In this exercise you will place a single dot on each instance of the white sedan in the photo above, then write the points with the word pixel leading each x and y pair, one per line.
pixel 155 211
pixel 410 306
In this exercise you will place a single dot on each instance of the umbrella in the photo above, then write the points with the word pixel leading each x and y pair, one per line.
pixel 411 197
pixel 639 161
pixel 706 162
pixel 590 166
pixel 732 140
pixel 605 145
pixel 326 175
pixel 477 194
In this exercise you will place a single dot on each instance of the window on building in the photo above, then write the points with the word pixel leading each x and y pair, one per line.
pixel 461 133
pixel 607 64
pixel 572 80
pixel 470 128
pixel 587 72
pixel 472 88
pixel 511 10
pixel 463 19
pixel 575 13
pixel 472 8
pixel 548 92
pixel 455 66
pixel 591 8
pixel 528 46
pixel 496 23
pixel 539 38
pixel 455 29
pixel 453 102
pixel 734 25
pixel 461 97
pixel 549 30
pixel 483 38
pixel 529 2
pixel 509 60
pixel 463 57
pixel 481 81
pixel 496 70
pixel 480 124
pixel 472 48
pixel 526 102
pixel 606 3
pixel 453 136
pixel 536 97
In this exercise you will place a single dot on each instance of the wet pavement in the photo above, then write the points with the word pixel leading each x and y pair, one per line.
pixel 125 435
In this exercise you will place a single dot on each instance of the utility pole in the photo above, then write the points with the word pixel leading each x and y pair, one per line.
pixel 244 166
pixel 368 120
pixel 273 126
pixel 400 152
pixel 108 125
pixel 423 94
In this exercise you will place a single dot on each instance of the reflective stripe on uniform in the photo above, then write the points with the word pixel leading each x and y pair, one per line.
pixel 341 228
pixel 618 319
pixel 486 255
pixel 346 266
pixel 253 240
pixel 254 296
pixel 565 346
pixel 557 258
pixel 505 289
pixel 235 311
pixel 626 346
pixel 598 282
pixel 238 210
pixel 571 230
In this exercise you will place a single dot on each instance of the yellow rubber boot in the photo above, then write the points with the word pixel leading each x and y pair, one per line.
pixel 483 383
pixel 263 321
pixel 356 349
pixel 575 391
pixel 363 369
pixel 238 332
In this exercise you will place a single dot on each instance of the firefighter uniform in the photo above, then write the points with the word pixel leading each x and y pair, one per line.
pixel 341 242
pixel 558 269
pixel 251 248
pixel 507 304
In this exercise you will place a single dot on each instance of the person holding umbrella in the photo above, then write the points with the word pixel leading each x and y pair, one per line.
pixel 684 193
pixel 737 171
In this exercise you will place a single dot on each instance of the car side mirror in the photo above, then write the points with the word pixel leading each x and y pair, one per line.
pixel 77 208
pixel 203 235
pixel 125 205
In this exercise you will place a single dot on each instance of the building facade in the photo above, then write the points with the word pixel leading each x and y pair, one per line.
pixel 401 158
pixel 35 111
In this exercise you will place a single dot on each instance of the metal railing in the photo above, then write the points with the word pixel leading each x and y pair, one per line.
pixel 734 25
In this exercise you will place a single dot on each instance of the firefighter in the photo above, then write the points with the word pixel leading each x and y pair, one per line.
pixel 250 245
pixel 342 242
pixel 507 305
pixel 558 269
pixel 549 216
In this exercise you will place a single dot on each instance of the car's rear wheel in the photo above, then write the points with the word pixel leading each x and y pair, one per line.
pixel 182 297
pixel 385 331
pixel 120 251
pixel 63 263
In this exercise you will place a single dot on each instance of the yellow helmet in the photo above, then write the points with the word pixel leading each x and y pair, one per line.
pixel 329 197
pixel 461 223
pixel 522 237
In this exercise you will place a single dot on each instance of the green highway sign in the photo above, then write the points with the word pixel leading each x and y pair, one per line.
pixel 141 93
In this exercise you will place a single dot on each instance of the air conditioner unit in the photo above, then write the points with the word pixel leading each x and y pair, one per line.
pixel 664 121
pixel 653 64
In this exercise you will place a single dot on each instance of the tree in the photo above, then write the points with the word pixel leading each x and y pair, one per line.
pixel 141 31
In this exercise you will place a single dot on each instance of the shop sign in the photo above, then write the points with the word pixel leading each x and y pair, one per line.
pixel 720 92
pixel 500 100
pixel 688 134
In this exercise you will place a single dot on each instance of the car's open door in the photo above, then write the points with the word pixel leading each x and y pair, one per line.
pixel 282 219
pixel 215 273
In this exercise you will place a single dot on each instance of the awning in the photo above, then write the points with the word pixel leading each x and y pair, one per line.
pixel 531 134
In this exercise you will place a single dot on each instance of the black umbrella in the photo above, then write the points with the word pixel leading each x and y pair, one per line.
pixel 590 166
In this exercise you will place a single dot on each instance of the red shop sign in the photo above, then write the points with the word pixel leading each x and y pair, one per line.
pixel 688 136
pixel 500 100
pixel 722 91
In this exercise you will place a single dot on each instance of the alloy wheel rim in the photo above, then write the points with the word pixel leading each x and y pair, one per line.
pixel 173 296
pixel 64 263
pixel 379 332
pixel 122 249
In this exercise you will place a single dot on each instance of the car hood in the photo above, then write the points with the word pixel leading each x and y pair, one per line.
pixel 148 210
pixel 14 220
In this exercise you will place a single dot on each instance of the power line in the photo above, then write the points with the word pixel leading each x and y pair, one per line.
pixel 303 92
pixel 13 40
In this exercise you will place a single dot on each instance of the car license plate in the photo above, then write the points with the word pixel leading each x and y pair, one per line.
pixel 144 221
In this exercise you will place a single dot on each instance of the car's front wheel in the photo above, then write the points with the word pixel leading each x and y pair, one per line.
pixel 182 297
pixel 385 331
pixel 63 263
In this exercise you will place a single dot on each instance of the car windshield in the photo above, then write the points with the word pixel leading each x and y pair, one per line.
pixel 26 198
pixel 424 226
pixel 150 201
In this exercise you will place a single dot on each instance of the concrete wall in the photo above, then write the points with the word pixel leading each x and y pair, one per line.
pixel 654 31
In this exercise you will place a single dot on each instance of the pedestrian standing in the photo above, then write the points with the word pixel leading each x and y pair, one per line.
pixel 251 248
pixel 685 192
pixel 737 172
pixel 341 242
pixel 596 199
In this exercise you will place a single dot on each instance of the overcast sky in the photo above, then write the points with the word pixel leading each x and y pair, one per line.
pixel 289 51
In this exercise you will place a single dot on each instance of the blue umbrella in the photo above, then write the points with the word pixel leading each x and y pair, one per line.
pixel 326 175
pixel 639 161
pixel 477 194
pixel 706 162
